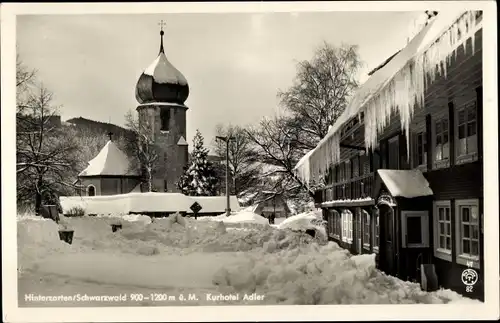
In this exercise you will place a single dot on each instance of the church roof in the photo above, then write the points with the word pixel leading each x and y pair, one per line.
pixel 110 161
pixel 161 82
pixel 182 141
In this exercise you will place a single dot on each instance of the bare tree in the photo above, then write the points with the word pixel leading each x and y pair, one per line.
pixel 318 96
pixel 243 169
pixel 276 143
pixel 46 156
pixel 24 79
pixel 321 91
pixel 143 147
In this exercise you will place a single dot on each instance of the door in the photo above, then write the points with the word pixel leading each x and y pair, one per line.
pixel 387 236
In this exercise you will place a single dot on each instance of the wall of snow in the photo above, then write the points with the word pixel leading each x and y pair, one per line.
pixel 287 267
pixel 311 274
pixel 146 202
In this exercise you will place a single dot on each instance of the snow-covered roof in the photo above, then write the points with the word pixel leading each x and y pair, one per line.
pixel 182 142
pixel 360 201
pixel 163 71
pixel 404 74
pixel 110 161
pixel 405 183
pixel 216 204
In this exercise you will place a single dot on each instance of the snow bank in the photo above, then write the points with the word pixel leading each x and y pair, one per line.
pixel 312 274
pixel 289 267
pixel 243 217
pixel 304 221
pixel 246 217
pixel 159 202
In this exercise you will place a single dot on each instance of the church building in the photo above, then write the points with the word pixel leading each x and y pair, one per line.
pixel 161 92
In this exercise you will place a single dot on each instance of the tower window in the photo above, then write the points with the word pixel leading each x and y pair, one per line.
pixel 165 119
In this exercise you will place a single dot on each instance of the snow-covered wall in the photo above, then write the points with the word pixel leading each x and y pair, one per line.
pixel 146 202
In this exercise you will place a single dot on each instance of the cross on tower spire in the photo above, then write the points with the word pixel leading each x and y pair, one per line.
pixel 161 24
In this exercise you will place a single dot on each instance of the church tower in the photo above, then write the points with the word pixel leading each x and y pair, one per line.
pixel 161 92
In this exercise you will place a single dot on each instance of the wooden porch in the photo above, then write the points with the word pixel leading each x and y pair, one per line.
pixel 353 189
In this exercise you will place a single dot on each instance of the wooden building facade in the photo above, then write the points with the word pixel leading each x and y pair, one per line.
pixel 422 206
pixel 272 204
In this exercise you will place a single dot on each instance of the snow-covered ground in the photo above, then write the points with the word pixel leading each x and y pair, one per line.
pixel 172 256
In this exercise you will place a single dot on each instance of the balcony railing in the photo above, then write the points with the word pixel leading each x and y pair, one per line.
pixel 356 188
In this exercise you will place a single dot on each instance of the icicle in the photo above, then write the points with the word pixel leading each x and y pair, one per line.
pixel 401 94
pixel 473 36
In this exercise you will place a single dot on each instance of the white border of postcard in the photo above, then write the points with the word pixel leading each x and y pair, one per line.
pixel 11 313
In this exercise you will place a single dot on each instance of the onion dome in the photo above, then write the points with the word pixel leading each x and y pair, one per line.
pixel 161 82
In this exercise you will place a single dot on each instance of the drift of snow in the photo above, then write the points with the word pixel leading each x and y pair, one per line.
pixel 110 161
pixel 397 87
pixel 405 183
pixel 304 221
pixel 243 216
pixel 163 71
pixel 287 267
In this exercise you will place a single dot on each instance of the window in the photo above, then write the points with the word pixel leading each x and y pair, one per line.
pixel 366 229
pixel 466 138
pixel 376 231
pixel 420 149
pixel 415 229
pixel 365 164
pixel 362 167
pixel 355 166
pixel 341 172
pixel 91 190
pixel 347 168
pixel 347 226
pixel 165 119
pixel 467 232
pixel 442 230
pixel 333 224
pixel 349 236
pixel 441 143
pixel 337 224
pixel 330 178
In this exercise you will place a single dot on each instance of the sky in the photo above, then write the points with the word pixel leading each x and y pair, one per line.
pixel 235 63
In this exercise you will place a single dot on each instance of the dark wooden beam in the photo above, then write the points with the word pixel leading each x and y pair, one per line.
pixel 451 131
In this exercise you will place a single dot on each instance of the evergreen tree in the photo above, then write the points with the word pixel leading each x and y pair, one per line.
pixel 199 178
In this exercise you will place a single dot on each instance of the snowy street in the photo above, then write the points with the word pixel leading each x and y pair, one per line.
pixel 205 258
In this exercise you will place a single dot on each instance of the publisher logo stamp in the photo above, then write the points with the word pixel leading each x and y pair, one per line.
pixel 469 278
